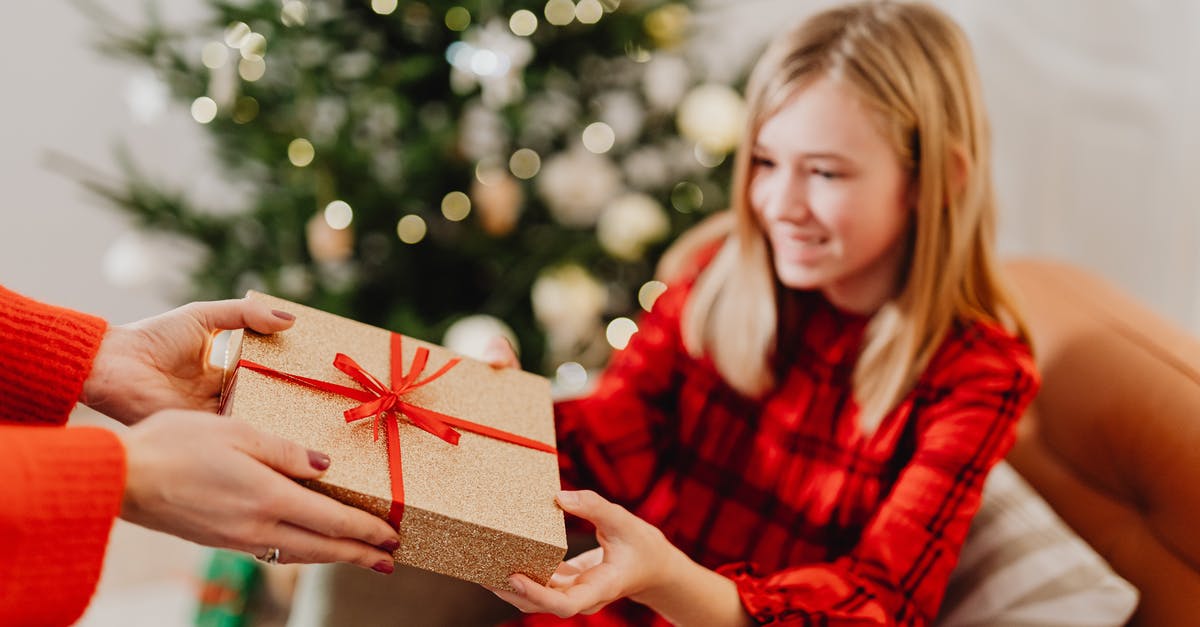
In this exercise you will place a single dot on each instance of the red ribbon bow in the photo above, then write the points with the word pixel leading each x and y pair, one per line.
pixel 384 402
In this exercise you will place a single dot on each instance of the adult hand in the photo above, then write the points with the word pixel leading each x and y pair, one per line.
pixel 221 483
pixel 162 362
pixel 633 560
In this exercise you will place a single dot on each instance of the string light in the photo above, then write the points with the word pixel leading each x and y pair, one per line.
pixel 560 12
pixel 456 206
pixel 707 158
pixel 458 19
pixel 589 11
pixel 293 13
pixel 525 163
pixel 338 215
pixel 245 109
pixel 598 137
pixel 252 69
pixel 411 229
pixel 687 197
pixel 523 23
pixel 619 331
pixel 383 7
pixel 649 293
pixel 214 55
pixel 204 109
pixel 235 33
pixel 571 376
pixel 301 152
pixel 253 46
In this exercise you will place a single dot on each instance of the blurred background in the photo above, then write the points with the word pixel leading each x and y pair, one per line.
pixel 453 170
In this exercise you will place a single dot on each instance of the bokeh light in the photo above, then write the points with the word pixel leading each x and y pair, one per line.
pixel 338 215
pixel 301 152
pixel 456 206
pixel 204 109
pixel 619 331
pixel 411 229
pixel 598 137
pixel 523 23
pixel 525 163
pixel 649 293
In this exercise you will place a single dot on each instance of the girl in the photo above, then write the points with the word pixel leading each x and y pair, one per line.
pixel 801 428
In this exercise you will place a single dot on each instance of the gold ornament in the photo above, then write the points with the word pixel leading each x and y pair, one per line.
pixel 498 202
pixel 327 244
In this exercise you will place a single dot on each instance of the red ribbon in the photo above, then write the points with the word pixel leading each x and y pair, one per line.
pixel 384 404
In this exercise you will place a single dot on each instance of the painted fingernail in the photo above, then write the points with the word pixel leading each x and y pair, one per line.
pixel 390 545
pixel 516 585
pixel 317 460
pixel 282 315
pixel 384 566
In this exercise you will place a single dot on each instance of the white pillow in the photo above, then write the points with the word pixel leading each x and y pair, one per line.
pixel 1022 565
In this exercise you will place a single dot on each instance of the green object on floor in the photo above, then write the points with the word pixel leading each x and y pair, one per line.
pixel 230 580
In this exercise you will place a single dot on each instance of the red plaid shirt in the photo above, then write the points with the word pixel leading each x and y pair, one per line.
pixel 815 521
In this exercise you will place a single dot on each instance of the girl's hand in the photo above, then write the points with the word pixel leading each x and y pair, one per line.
pixel 633 560
pixel 162 362
pixel 499 353
pixel 221 483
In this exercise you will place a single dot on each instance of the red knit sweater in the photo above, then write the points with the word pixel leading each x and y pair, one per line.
pixel 815 520
pixel 60 489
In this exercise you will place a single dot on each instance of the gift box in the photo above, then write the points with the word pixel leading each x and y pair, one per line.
pixel 458 455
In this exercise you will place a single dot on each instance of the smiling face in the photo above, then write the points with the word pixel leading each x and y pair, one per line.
pixel 832 197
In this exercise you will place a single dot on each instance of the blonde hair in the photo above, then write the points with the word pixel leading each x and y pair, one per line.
pixel 912 66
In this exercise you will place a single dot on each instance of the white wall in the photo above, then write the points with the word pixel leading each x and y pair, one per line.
pixel 60 96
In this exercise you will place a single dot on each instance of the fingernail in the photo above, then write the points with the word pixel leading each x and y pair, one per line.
pixel 568 499
pixel 516 585
pixel 319 461
pixel 384 566
pixel 282 315
pixel 390 545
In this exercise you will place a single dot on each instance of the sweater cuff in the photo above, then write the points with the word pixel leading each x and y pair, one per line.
pixel 47 355
pixel 60 491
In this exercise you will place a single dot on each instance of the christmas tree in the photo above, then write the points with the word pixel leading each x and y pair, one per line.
pixel 446 170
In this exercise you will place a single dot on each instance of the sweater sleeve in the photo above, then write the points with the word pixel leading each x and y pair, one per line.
pixel 46 354
pixel 896 575
pixel 60 490
pixel 612 440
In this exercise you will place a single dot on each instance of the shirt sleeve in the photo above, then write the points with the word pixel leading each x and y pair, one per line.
pixel 898 572
pixel 46 354
pixel 60 491
pixel 613 439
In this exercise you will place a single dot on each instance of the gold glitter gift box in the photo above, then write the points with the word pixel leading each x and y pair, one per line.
pixel 477 510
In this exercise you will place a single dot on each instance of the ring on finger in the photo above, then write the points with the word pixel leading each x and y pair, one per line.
pixel 271 555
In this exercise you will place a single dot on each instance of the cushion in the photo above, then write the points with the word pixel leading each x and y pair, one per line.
pixel 1022 565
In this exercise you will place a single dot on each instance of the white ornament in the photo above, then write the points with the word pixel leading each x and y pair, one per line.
pixel 470 336
pixel 482 132
pixel 493 58
pixel 623 112
pixel 712 115
pixel 645 168
pixel 568 301
pixel 665 81
pixel 576 185
pixel 629 224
